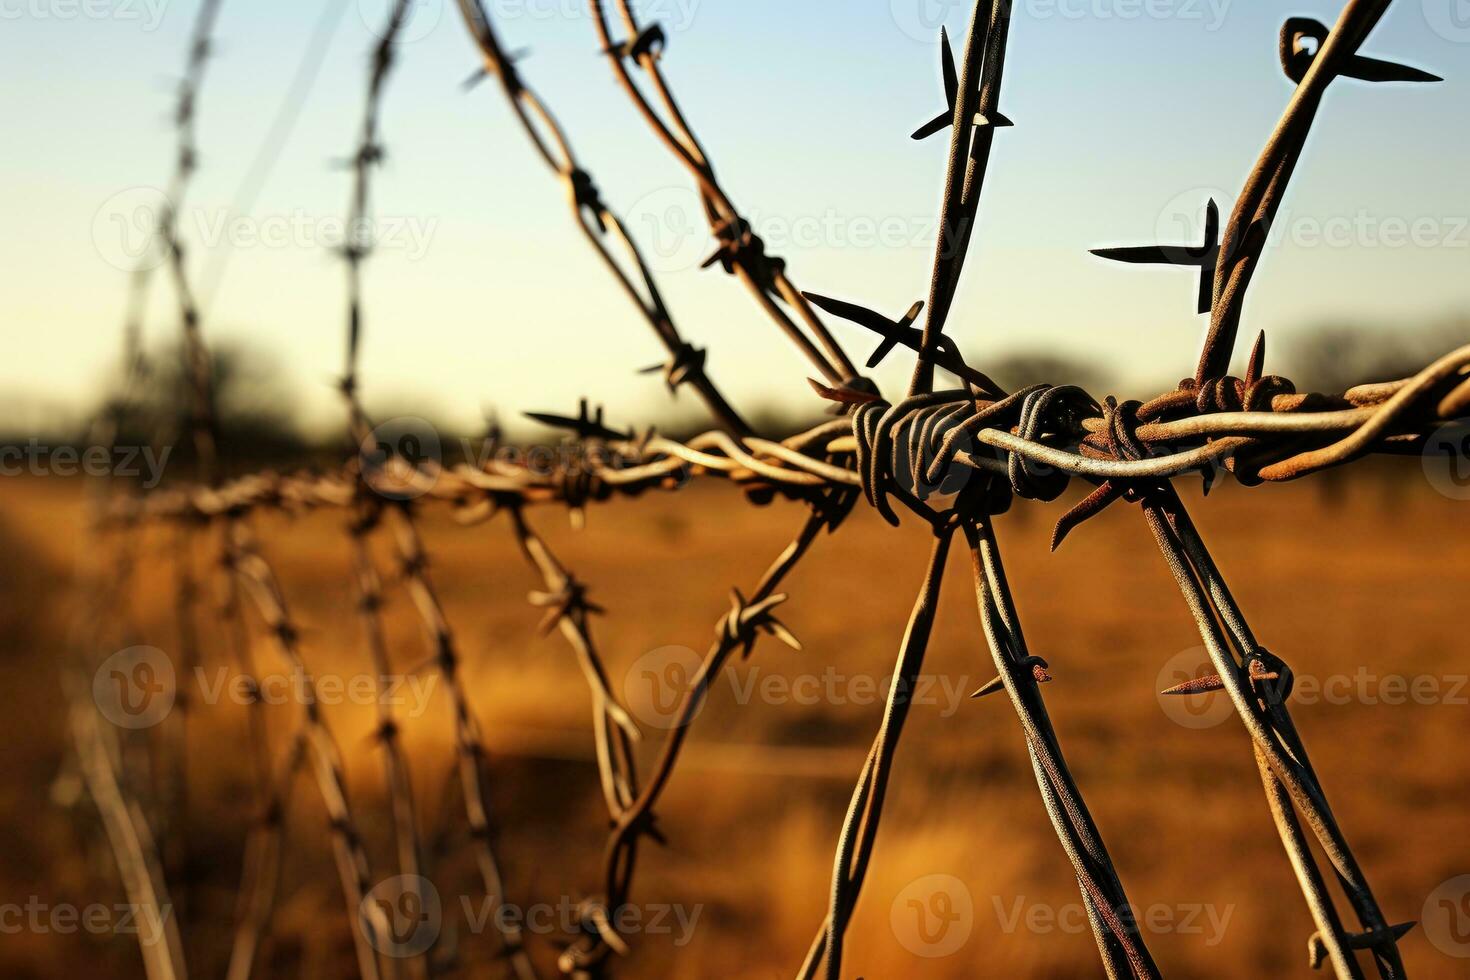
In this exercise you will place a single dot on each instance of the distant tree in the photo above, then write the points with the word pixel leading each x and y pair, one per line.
pixel 254 408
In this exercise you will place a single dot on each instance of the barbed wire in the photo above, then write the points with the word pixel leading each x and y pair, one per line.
pixel 953 458
pixel 367 510
pixel 414 573
pixel 740 252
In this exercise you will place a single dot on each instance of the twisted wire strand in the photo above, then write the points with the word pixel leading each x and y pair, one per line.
pixel 173 824
pixel 971 139
pixel 202 421
pixel 1264 713
pixel 1290 783
pixel 613 730
pixel 265 840
pixel 412 557
pixel 367 506
pixel 198 367
pixel 569 611
pixel 1389 418
pixel 738 629
pixel 1244 240
pixel 860 826
pixel 134 843
pixel 1109 912
pixel 596 220
pixel 255 575
pixel 469 745
pixel 255 907
pixel 1330 936
pixel 129 831
pixel 369 928
pixel 741 252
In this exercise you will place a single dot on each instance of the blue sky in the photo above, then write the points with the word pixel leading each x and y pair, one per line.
pixel 1129 114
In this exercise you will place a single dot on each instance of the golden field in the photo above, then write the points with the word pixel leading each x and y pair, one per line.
pixel 1355 585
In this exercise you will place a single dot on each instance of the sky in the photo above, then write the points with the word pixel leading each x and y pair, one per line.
pixel 1129 115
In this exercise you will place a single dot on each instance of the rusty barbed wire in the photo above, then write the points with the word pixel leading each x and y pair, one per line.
pixel 352 862
pixel 1255 429
pixel 860 827
pixel 143 865
pixel 1020 674
pixel 413 560
pixel 257 898
pixel 102 610
pixel 686 363
pixel 367 507
pixel 954 458
pixel 202 410
pixel 1244 240
pixel 740 252
pixel 975 108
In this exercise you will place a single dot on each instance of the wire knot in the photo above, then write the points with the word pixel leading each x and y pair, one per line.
pixel 742 248
pixel 586 196
pixel 1302 40
pixel 1375 940
pixel 568 602
pixel 1268 671
pixel 1046 411
pixel 746 621
pixel 642 823
pixel 649 43
pixel 685 364
pixel 911 449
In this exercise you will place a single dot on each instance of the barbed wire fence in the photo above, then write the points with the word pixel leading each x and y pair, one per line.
pixel 953 458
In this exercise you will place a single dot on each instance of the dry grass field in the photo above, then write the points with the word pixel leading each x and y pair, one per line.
pixel 1355 586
